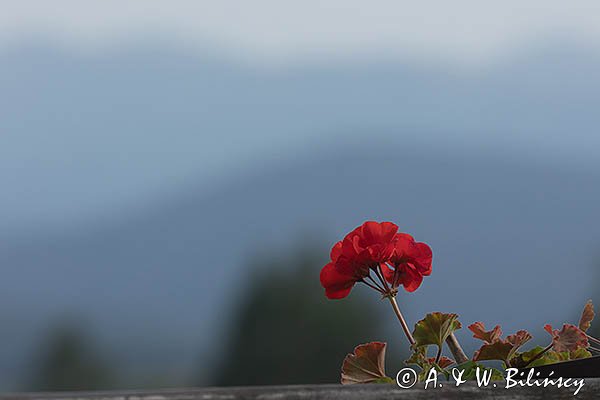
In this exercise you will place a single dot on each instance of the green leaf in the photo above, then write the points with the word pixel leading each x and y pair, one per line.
pixel 587 316
pixel 365 365
pixel 418 357
pixel 523 360
pixel 428 366
pixel 435 328
pixel 579 353
pixel 550 357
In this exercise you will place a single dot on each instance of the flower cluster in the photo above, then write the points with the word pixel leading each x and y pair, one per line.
pixel 376 248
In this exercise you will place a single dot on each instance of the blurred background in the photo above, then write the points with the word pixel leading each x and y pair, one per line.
pixel 174 173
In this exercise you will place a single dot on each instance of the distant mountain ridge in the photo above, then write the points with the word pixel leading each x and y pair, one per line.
pixel 507 238
pixel 114 129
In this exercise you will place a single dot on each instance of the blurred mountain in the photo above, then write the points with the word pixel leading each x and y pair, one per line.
pixel 96 135
pixel 513 244
pixel 137 183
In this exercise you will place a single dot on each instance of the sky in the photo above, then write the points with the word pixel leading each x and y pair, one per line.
pixel 273 32
pixel 113 104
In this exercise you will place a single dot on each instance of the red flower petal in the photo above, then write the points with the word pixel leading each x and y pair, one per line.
pixel 423 259
pixel 410 278
pixel 375 233
pixel 365 247
pixel 388 272
pixel 376 245
pixel 336 251
pixel 337 285
pixel 406 250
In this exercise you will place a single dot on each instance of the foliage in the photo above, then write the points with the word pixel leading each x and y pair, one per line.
pixel 496 348
pixel 587 316
pixel 569 338
pixel 435 328
pixel 365 365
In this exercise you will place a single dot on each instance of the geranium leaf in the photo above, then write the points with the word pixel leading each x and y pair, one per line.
pixel 428 366
pixel 569 338
pixel 435 328
pixel 498 350
pixel 503 349
pixel 479 332
pixel 549 357
pixel 443 363
pixel 365 365
pixel 521 360
pixel 519 339
pixel 579 353
pixel 587 316
pixel 418 357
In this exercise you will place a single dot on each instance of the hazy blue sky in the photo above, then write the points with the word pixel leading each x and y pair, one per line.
pixel 107 105
pixel 267 31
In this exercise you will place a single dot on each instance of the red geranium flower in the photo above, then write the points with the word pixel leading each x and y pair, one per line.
pixel 409 263
pixel 337 284
pixel 395 258
pixel 352 259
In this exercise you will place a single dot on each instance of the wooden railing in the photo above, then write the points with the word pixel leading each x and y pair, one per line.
pixel 591 390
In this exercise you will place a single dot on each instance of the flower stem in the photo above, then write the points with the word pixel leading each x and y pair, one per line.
pixel 374 282
pixel 402 320
pixel 593 339
pixel 379 274
pixel 594 349
pixel 457 351
pixel 438 355
pixel 372 286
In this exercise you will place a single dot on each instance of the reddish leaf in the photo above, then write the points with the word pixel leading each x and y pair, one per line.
pixel 479 332
pixel 587 316
pixel 419 357
pixel 569 338
pixel 498 350
pixel 519 338
pixel 443 363
pixel 502 349
pixel 365 365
